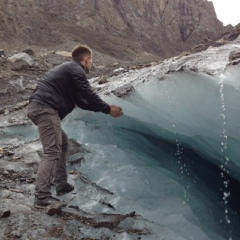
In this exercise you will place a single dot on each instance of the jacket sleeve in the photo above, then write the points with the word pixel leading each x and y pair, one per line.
pixel 86 98
pixel 83 104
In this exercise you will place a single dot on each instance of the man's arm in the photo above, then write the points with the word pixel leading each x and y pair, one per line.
pixel 85 91
pixel 83 104
pixel 87 99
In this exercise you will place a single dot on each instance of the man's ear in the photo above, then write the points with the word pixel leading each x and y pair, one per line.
pixel 85 59
pixel 88 57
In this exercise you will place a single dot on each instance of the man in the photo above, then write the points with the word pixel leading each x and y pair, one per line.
pixel 56 95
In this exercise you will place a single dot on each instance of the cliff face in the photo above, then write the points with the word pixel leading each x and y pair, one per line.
pixel 127 29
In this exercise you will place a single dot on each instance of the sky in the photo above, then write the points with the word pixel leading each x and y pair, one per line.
pixel 228 11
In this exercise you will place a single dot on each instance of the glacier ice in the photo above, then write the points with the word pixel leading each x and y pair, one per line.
pixel 151 157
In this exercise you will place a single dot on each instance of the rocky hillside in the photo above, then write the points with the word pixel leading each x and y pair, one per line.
pixel 140 30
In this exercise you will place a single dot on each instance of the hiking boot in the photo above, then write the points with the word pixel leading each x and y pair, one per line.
pixel 42 203
pixel 65 189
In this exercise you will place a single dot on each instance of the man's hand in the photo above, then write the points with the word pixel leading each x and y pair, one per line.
pixel 116 111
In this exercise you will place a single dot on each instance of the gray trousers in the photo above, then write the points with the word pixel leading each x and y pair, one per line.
pixel 55 145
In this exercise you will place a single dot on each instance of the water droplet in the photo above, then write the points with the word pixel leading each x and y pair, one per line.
pixel 226 194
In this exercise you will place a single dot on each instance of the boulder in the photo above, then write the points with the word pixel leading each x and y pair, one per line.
pixel 20 61
pixel 29 51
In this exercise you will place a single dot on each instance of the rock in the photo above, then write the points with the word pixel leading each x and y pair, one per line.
pixel 132 214
pixel 2 54
pixel 234 55
pixel 197 48
pixel 20 61
pixel 4 213
pixel 121 69
pixel 75 151
pixel 184 53
pixel 123 90
pixel 107 204
pixel 115 64
pixel 236 62
pixel 28 51
pixel 233 33
pixel 54 60
pixel 3 61
pixel 64 53
pixel 103 79
pixel 54 208
pixel 73 172
pixel 99 66
pixel 75 147
pixel 31 86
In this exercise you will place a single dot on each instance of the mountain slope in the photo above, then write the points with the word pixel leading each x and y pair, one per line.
pixel 125 29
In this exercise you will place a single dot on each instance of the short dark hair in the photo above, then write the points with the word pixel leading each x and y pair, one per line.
pixel 80 51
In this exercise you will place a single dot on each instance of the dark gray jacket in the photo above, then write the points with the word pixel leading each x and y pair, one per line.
pixel 65 86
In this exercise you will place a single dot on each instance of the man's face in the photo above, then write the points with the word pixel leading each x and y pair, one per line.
pixel 88 63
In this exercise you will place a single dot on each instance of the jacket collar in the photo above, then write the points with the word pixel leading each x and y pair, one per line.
pixel 80 64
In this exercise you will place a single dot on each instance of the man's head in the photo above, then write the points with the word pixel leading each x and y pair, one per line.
pixel 83 54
